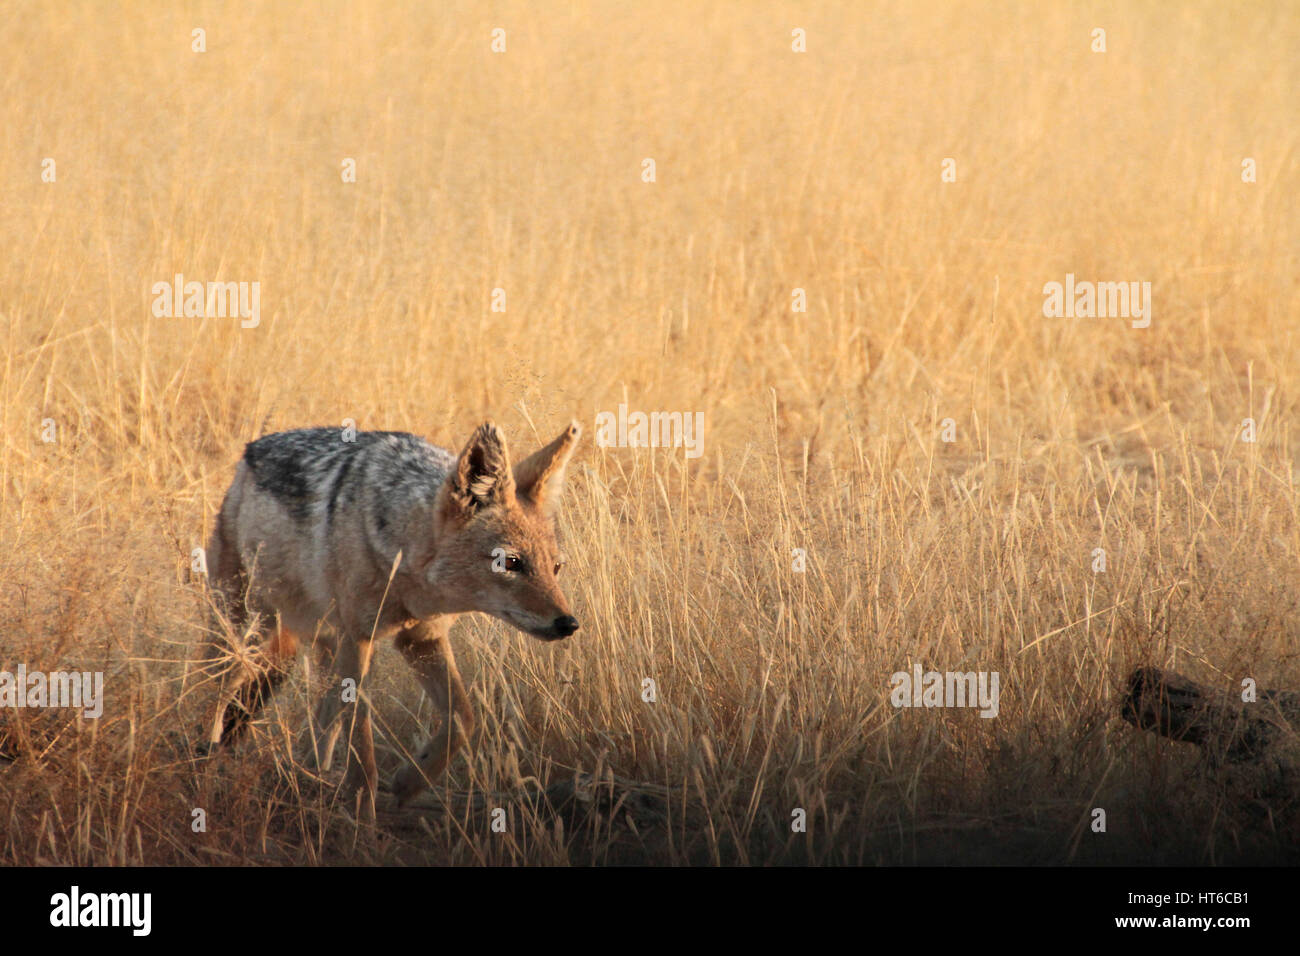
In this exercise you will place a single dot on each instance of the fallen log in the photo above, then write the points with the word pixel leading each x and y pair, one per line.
pixel 1226 729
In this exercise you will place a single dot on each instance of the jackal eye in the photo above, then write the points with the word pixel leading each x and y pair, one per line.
pixel 514 563
pixel 558 565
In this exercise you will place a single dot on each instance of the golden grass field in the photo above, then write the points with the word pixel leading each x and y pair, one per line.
pixel 775 170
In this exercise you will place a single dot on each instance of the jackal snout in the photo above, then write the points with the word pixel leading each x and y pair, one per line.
pixel 560 628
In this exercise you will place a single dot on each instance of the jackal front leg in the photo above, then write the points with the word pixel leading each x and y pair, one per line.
pixel 349 702
pixel 427 648
pixel 316 750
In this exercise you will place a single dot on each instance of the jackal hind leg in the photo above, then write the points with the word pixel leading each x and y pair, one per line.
pixel 253 685
pixel 222 659
pixel 228 591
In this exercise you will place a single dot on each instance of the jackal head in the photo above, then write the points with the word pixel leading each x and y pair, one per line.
pixel 494 532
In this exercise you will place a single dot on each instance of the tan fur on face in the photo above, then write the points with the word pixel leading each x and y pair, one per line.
pixel 510 516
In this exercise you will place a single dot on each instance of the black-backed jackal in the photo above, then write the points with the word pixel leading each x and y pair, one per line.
pixel 345 542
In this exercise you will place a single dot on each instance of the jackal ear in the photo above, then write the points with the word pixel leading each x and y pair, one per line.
pixel 540 476
pixel 482 478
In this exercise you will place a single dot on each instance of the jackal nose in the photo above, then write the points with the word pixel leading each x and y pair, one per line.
pixel 564 626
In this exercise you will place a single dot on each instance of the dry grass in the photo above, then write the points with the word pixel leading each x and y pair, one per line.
pixel 775 170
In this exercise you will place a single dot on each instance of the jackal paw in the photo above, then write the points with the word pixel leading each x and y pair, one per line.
pixel 408 783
